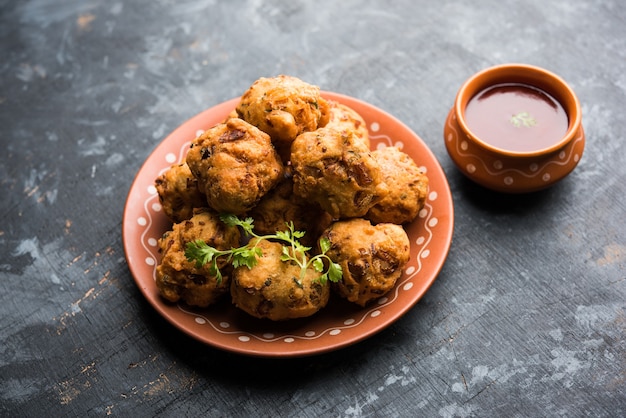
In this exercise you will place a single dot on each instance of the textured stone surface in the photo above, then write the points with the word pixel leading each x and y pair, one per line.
pixel 527 318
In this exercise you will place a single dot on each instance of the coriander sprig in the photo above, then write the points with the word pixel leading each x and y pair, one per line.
pixel 203 254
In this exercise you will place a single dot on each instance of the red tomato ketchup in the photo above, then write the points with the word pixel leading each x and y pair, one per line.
pixel 516 117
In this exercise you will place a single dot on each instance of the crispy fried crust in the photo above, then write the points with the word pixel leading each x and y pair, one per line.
pixel 372 258
pixel 273 289
pixel 179 193
pixel 179 279
pixel 282 205
pixel 235 164
pixel 344 118
pixel 284 107
pixel 336 170
pixel 408 187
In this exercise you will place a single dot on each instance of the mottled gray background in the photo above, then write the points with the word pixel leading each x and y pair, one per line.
pixel 527 318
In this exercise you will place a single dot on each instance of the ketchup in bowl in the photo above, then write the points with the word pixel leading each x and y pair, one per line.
pixel 516 117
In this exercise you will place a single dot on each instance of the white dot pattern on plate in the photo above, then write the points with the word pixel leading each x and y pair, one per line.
pixel 153 206
pixel 170 158
pixel 497 165
pixel 508 180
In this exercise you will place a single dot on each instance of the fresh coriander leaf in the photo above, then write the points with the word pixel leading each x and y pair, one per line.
pixel 335 272
pixel 199 252
pixel 324 245
pixel 318 265
pixel 523 119
pixel 284 236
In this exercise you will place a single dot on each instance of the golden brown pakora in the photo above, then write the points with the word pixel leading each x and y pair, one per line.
pixel 343 117
pixel 336 170
pixel 281 205
pixel 372 258
pixel 408 188
pixel 275 290
pixel 179 193
pixel 235 164
pixel 178 279
pixel 284 107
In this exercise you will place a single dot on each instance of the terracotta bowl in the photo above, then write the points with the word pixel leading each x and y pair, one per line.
pixel 506 170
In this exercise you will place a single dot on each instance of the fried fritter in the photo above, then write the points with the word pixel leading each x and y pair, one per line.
pixel 372 258
pixel 284 107
pixel 273 289
pixel 178 192
pixel 281 205
pixel 408 187
pixel 235 164
pixel 179 279
pixel 343 117
pixel 336 170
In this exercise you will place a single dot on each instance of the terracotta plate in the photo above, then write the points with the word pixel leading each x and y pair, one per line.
pixel 339 324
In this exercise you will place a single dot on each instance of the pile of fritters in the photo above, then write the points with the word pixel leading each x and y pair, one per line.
pixel 286 154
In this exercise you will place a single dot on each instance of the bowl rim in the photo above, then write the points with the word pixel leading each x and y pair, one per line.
pixel 520 73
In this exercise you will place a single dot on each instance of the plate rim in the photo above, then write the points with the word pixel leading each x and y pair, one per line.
pixel 128 227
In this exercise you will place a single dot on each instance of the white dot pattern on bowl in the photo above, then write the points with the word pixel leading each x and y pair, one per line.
pixel 456 140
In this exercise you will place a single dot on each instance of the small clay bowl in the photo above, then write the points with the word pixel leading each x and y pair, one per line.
pixel 491 164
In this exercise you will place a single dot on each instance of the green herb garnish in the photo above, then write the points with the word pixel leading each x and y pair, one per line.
pixel 203 254
pixel 523 119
